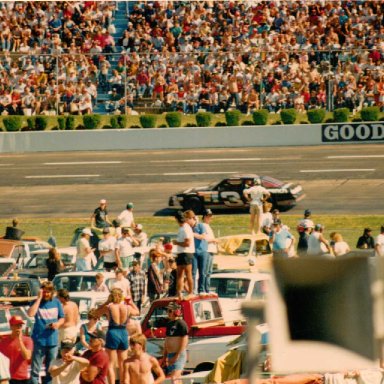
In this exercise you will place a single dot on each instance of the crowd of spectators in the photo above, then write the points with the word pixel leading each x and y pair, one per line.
pixel 191 55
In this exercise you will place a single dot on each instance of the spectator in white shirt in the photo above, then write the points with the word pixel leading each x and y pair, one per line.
pixel 126 217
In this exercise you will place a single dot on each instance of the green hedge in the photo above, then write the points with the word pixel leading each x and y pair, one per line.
pixel 203 119
pixel 233 118
pixel 173 119
pixel 148 121
pixel 61 122
pixel 41 123
pixel 260 117
pixel 288 116
pixel 340 115
pixel 13 123
pixel 316 116
pixel 370 114
pixel 122 121
pixel 91 121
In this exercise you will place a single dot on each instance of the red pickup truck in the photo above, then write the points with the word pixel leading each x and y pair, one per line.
pixel 202 314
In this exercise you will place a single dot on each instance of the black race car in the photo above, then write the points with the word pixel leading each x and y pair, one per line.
pixel 228 194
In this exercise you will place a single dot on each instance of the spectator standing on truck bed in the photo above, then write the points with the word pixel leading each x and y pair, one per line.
pixel 176 342
pixel 139 365
pixel 184 251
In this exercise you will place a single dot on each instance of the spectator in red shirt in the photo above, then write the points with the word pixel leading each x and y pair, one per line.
pixel 96 372
pixel 18 348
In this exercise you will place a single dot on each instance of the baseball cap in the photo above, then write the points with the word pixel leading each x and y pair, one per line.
pixel 367 230
pixel 87 231
pixel 67 344
pixel 276 222
pixel 173 306
pixel 125 230
pixel 257 180
pixel 130 205
pixel 307 212
pixel 208 212
pixel 139 227
pixel 103 201
pixel 318 227
pixel 16 320
pixel 106 230
pixel 97 335
pixel 168 246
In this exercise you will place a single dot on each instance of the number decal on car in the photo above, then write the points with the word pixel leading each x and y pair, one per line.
pixel 231 199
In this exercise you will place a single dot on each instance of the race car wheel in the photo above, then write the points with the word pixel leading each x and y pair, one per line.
pixel 194 203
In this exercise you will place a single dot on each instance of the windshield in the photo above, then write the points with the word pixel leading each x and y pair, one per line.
pixel 84 306
pixel 230 288
pixel 78 283
pixel 66 258
pixel 155 238
pixel 38 261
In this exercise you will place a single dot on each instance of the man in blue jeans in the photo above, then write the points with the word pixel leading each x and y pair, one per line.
pixel 201 257
pixel 49 317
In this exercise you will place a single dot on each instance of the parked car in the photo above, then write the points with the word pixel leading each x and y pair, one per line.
pixel 81 281
pixel 6 312
pixel 243 252
pixel 88 300
pixel 235 288
pixel 19 290
pixel 228 194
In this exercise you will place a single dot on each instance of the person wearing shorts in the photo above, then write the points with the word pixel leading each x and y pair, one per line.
pixel 176 342
pixel 116 341
pixel 184 250
pixel 256 195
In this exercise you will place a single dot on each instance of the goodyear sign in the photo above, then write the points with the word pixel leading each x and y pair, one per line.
pixel 352 132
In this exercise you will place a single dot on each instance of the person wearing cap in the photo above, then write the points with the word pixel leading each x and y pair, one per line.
pixel 318 245
pixel 140 235
pixel 84 255
pixel 49 317
pixel 66 370
pixel 126 216
pixel 99 218
pixel 256 195
pixel 137 279
pixel 366 240
pixel 107 246
pixel 176 342
pixel 18 349
pixel 138 367
pixel 280 239
pixel 305 222
pixel 212 247
pixel 124 251
pixel 379 243
pixel 97 370
pixel 71 315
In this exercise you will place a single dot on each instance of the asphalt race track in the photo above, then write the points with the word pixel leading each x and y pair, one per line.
pixel 336 179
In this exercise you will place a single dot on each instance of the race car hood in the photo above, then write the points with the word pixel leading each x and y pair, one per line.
pixel 195 190
pixel 271 182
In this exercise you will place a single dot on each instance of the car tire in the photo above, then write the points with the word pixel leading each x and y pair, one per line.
pixel 194 204
pixel 204 367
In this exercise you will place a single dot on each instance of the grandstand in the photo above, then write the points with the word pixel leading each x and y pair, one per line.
pixel 138 56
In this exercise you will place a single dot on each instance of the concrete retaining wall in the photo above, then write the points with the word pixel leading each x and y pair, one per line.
pixel 169 138
pixel 160 138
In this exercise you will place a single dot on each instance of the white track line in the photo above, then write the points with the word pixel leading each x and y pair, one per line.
pixel 337 170
pixel 355 157
pixel 84 162
pixel 205 160
pixel 196 173
pixel 59 176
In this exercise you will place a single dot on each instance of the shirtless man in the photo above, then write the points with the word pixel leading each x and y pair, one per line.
pixel 139 365
pixel 176 342
pixel 68 331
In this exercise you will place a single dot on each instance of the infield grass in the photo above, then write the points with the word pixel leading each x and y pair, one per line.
pixel 350 226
